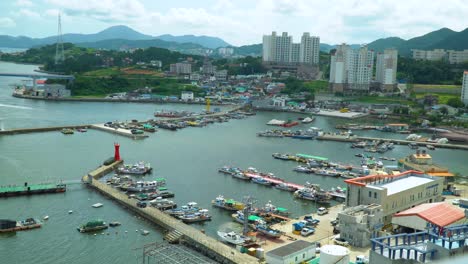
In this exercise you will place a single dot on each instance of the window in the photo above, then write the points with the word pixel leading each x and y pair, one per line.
pixel 370 194
pixel 296 258
pixel 303 255
pixel 375 195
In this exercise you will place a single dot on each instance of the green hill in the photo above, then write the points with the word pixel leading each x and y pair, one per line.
pixel 458 41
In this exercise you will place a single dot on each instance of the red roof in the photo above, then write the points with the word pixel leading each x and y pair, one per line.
pixel 440 214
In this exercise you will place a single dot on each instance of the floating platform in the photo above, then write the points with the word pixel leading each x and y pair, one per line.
pixel 8 191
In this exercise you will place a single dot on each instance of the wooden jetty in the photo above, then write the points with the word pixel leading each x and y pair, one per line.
pixel 193 237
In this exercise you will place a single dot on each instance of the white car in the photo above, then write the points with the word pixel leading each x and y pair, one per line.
pixel 456 201
pixel 307 231
pixel 340 241
pixel 322 211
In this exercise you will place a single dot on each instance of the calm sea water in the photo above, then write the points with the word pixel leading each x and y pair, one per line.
pixel 188 159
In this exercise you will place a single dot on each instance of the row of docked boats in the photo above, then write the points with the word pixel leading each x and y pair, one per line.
pixel 70 131
pixel 307 192
pixel 139 168
pixel 172 114
pixel 310 133
pixel 190 213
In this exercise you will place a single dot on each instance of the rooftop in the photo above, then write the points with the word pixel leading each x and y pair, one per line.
pixel 404 184
pixel 291 248
pixel 440 214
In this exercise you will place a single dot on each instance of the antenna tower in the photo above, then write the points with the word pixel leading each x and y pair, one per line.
pixel 59 54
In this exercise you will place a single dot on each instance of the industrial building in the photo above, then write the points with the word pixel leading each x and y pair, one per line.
pixel 358 224
pixel 394 193
pixel 438 215
pixel 295 252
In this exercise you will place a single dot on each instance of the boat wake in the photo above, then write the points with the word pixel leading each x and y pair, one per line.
pixel 16 106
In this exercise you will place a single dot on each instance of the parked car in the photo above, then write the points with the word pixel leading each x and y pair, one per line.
pixel 456 201
pixel 307 231
pixel 340 241
pixel 311 221
pixel 322 211
pixel 141 204
pixel 334 222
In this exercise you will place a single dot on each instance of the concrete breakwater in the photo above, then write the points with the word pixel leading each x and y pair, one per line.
pixel 191 236
pixel 39 129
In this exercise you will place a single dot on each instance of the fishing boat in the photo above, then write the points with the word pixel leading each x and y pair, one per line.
pixel 163 204
pixel 162 192
pixel 114 224
pixel 171 114
pixel 302 136
pixel 67 131
pixel 189 208
pixel 239 217
pixel 270 133
pixel 262 181
pixel 231 237
pixel 228 204
pixel 142 186
pixel 241 176
pixel 229 170
pixel 281 156
pixel 92 226
pixel 285 187
pixel 270 208
pixel 148 128
pixel 267 231
pixel 312 192
pixel 303 169
pixel 290 124
pixel 430 147
pixel 359 155
pixel 308 120
pixel 139 168
pixel 200 216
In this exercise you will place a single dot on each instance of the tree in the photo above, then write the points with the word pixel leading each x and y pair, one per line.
pixel 443 110
pixel 455 102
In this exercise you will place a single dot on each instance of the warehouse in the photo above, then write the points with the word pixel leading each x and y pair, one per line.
pixel 295 252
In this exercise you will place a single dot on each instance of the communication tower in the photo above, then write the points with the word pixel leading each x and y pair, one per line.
pixel 59 54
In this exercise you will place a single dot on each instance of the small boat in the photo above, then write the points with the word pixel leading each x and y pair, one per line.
pixel 270 208
pixel 303 136
pixel 46 217
pixel 92 226
pixel 143 186
pixel 201 216
pixel 144 232
pixel 281 156
pixel 324 172
pixel 13 226
pixel 413 146
pixel 114 224
pixel 430 147
pixel 303 169
pixel 359 155
pixel 82 130
pixel 231 237
pixel 163 204
pixel 67 131
pixel 270 133
pixel 139 168
pixel 97 205
pixel 241 176
pixel 267 231
pixel 290 124
pixel 308 120
pixel 70 212
pixel 162 192
pixel 261 181
pixel 228 204
pixel 285 187
pixel 190 208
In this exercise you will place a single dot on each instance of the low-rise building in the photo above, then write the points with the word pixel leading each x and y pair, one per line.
pixel 221 75
pixel 296 252
pixel 394 192
pixel 56 90
pixel 419 218
pixel 156 63
pixel 186 96
pixel 359 223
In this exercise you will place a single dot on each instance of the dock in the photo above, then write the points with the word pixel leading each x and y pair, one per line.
pixel 193 237
pixel 274 181
pixel 26 189
pixel 39 129
pixel 119 131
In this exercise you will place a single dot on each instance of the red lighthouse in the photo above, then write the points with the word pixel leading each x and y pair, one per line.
pixel 116 152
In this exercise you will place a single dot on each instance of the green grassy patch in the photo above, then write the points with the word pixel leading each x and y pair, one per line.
pixel 316 85
pixel 443 98
pixel 382 100
pixel 103 72
pixel 439 86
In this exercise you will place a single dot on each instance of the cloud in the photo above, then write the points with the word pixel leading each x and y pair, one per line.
pixel 26 13
pixel 25 3
pixel 6 22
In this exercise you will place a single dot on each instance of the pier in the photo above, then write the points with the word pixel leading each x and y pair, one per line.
pixel 39 129
pixel 191 236
pixel 15 190
pixel 119 131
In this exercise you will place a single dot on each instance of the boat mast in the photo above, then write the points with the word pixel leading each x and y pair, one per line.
pixel 248 201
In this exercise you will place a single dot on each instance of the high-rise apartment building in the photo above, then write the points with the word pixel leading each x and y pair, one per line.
pixel 464 93
pixel 386 69
pixel 351 69
pixel 281 49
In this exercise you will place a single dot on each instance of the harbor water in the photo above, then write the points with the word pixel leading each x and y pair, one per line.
pixel 188 159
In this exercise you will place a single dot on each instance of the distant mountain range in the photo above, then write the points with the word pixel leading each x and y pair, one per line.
pixel 117 37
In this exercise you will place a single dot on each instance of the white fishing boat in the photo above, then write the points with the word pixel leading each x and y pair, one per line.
pixel 231 237
pixel 97 205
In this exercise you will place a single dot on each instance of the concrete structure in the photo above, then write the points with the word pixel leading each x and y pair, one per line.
pixel 156 63
pixel 394 192
pixel 56 90
pixel 422 161
pixel 464 93
pixel 433 214
pixel 181 68
pixel 421 247
pixel 386 69
pixel 226 52
pixel 432 55
pixel 351 69
pixel 457 56
pixel 221 75
pixel 334 254
pixel 281 49
pixel 295 252
pixel 358 224
pixel 186 96
pixel 208 68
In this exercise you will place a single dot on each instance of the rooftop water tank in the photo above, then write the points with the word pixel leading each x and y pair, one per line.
pixel 334 254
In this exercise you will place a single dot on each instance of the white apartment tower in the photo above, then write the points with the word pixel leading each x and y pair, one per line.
pixel 281 49
pixel 386 69
pixel 464 93
pixel 351 69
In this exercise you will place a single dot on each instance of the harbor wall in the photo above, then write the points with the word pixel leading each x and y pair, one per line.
pixel 38 129
pixel 194 237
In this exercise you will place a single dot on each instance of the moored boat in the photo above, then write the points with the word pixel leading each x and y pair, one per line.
pixel 285 187
pixel 200 216
pixel 139 168
pixel 267 231
pixel 92 226
pixel 281 156
pixel 67 131
pixel 143 186
pixel 260 180
pixel 163 204
pixel 228 204
pixel 13 226
pixel 231 237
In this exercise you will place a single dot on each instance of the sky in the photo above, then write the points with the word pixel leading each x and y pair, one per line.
pixel 239 22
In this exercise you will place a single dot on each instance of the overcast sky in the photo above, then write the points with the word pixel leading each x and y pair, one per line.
pixel 238 22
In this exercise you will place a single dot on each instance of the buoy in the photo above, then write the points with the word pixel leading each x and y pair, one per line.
pixel 46 217
pixel 136 230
